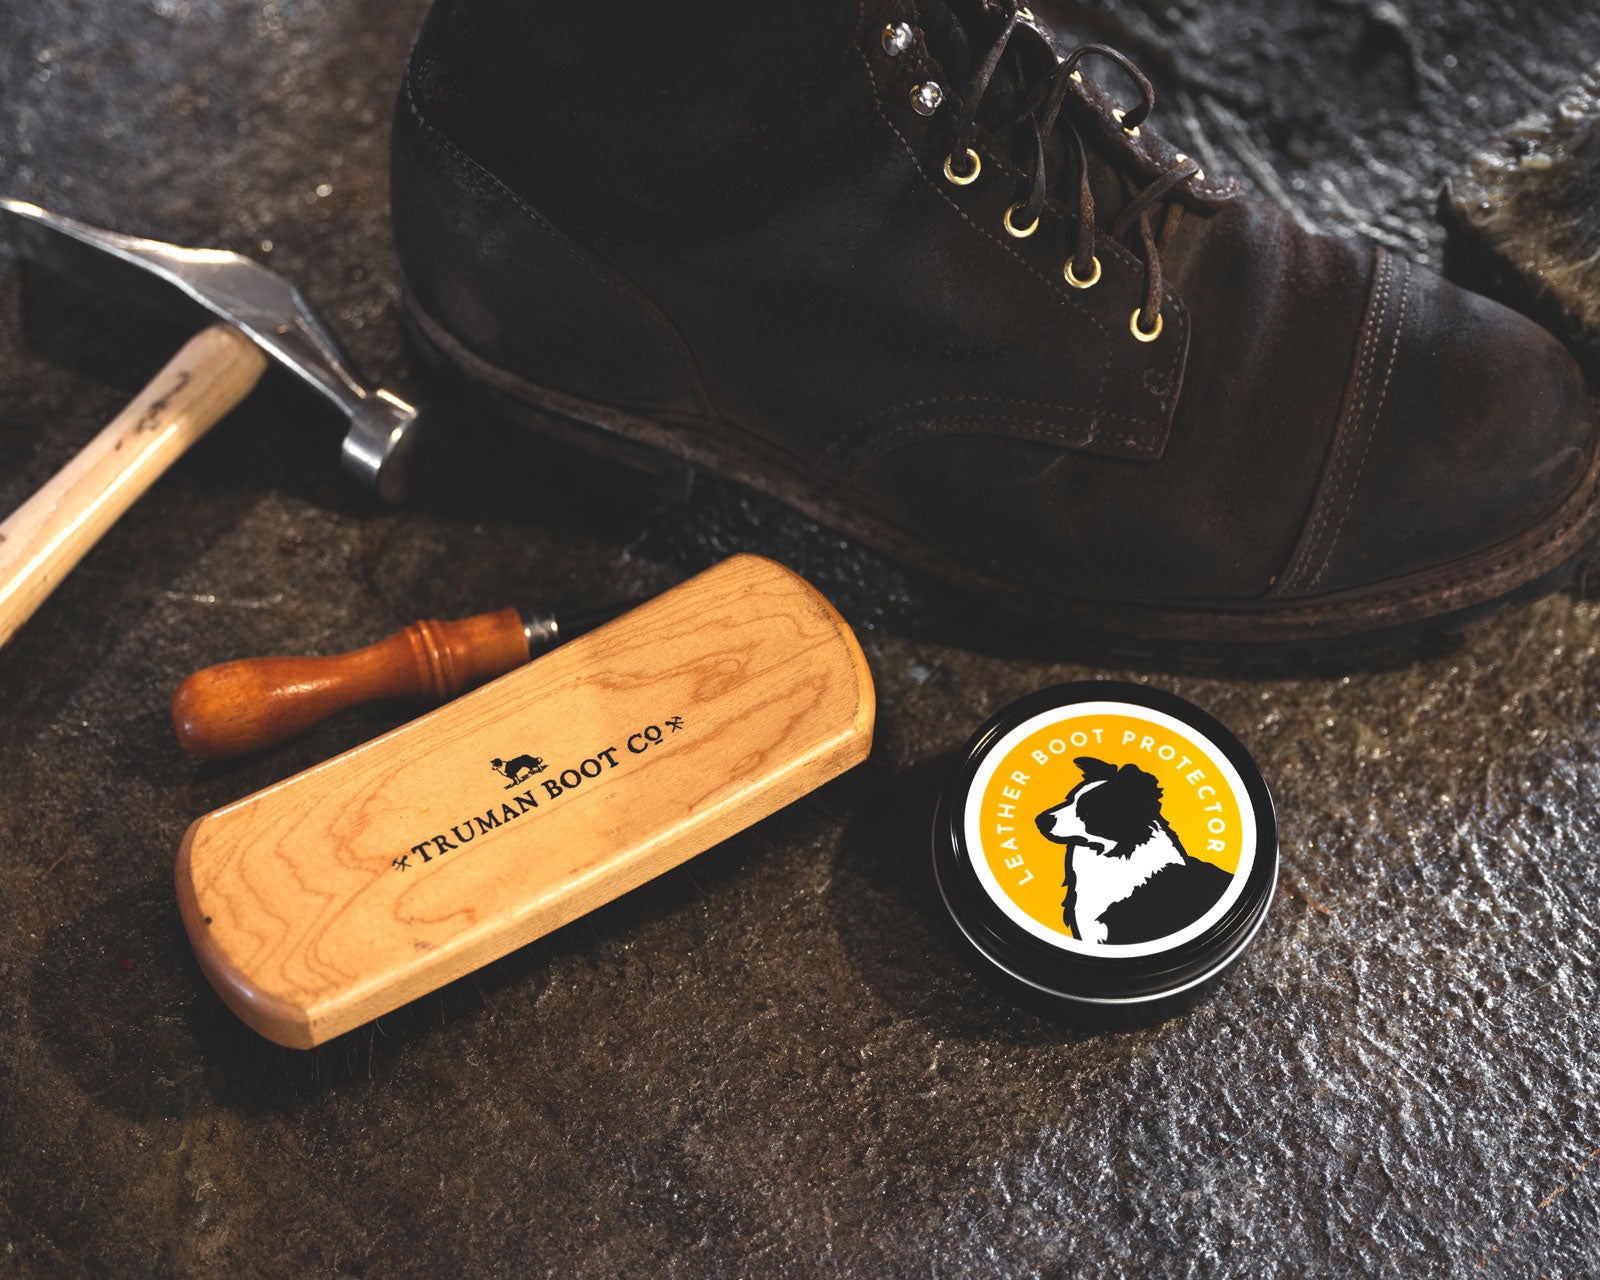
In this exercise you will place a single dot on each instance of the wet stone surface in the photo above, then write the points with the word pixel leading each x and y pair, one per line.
pixel 769 1061
pixel 1525 213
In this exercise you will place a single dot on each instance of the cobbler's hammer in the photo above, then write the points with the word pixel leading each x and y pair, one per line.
pixel 262 316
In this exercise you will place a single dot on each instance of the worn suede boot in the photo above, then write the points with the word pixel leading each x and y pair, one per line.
pixel 912 268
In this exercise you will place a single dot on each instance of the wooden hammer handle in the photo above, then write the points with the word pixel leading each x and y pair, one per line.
pixel 240 707
pixel 47 535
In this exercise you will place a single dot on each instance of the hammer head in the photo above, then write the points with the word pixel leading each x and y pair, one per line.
pixel 258 302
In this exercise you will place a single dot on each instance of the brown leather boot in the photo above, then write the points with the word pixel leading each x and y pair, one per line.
pixel 911 268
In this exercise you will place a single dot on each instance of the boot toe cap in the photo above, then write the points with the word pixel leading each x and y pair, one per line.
pixel 1466 427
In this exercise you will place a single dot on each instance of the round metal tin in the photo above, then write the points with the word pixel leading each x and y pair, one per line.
pixel 1107 845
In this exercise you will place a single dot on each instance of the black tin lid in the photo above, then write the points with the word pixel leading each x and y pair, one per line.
pixel 1106 845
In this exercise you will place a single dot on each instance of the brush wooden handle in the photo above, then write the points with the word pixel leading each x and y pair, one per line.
pixel 47 535
pixel 339 894
pixel 254 703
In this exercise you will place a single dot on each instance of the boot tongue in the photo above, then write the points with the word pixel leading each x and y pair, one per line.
pixel 959 32
pixel 952 30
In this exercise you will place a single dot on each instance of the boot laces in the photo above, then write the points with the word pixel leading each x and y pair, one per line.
pixel 1041 111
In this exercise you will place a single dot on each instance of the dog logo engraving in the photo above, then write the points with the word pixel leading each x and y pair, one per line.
pixel 1128 877
pixel 518 770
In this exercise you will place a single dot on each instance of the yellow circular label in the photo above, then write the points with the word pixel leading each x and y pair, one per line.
pixel 1108 827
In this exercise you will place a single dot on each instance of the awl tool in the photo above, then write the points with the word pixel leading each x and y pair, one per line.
pixel 235 708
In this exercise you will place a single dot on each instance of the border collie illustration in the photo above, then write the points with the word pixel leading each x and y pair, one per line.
pixel 518 770
pixel 1128 878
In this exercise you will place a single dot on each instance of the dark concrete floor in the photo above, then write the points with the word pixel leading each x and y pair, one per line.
pixel 770 1061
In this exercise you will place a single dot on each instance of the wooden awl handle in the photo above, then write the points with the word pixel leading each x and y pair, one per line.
pixel 240 707
pixel 48 534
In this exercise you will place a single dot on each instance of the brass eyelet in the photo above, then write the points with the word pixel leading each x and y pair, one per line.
pixel 1021 233
pixel 1076 283
pixel 1145 335
pixel 1199 174
pixel 1076 75
pixel 962 179
pixel 1118 114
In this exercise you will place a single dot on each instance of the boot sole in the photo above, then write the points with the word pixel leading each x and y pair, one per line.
pixel 1397 615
